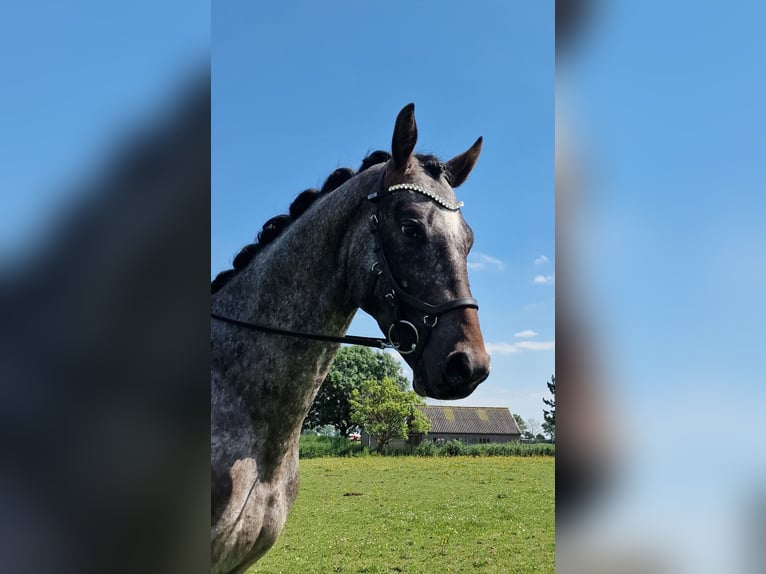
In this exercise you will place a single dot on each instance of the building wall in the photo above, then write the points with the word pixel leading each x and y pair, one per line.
pixel 371 443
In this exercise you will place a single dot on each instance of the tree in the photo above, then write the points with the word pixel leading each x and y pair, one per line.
pixel 549 426
pixel 386 411
pixel 352 366
pixel 549 429
pixel 520 423
pixel 532 426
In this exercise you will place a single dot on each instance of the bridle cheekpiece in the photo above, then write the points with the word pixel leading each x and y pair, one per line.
pixel 397 297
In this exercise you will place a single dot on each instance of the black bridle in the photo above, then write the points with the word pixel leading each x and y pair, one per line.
pixel 400 329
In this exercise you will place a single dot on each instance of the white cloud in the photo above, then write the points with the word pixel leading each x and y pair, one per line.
pixel 510 348
pixel 526 334
pixel 480 261
pixel 543 279
pixel 501 348
pixel 537 345
pixel 541 260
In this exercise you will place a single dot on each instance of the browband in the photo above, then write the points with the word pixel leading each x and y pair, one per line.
pixel 422 190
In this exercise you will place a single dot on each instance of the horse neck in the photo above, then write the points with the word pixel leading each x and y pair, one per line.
pixel 297 282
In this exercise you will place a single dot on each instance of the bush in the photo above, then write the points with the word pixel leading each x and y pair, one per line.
pixel 458 448
pixel 312 446
pixel 495 449
pixel 476 450
pixel 452 448
pixel 426 448
pixel 405 450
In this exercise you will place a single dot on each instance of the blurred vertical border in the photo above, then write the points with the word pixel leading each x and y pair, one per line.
pixel 104 292
pixel 582 464
pixel 661 465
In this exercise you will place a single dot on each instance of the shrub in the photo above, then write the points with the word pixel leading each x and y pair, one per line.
pixel 452 448
pixel 476 450
pixel 312 446
pixel 426 448
pixel 495 449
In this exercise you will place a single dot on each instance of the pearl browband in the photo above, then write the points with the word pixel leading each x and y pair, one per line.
pixel 421 190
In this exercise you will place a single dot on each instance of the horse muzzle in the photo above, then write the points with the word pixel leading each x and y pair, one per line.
pixel 455 378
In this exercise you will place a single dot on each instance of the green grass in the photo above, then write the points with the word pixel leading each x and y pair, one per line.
pixel 419 515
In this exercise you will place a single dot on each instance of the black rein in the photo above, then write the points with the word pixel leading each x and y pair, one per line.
pixel 351 339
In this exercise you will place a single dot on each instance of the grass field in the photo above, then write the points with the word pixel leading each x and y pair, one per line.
pixel 419 515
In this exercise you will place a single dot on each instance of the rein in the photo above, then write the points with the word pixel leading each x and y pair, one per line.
pixel 352 339
pixel 400 329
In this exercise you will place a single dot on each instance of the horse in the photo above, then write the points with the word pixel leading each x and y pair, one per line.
pixel 389 239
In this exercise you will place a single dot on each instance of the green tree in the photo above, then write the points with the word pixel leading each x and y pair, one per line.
pixel 352 366
pixel 549 426
pixel 386 411
pixel 520 422
pixel 549 429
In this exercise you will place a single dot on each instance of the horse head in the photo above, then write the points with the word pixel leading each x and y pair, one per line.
pixel 417 288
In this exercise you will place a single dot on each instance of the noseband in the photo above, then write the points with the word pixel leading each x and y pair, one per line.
pixel 396 297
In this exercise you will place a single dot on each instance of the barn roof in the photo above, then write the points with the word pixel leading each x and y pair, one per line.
pixel 470 420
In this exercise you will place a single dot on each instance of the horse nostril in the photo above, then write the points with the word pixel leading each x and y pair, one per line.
pixel 458 368
pixel 481 373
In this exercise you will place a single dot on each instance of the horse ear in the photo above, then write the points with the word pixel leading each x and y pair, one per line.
pixel 460 166
pixel 405 136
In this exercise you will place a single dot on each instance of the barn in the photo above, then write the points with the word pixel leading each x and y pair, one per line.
pixel 471 425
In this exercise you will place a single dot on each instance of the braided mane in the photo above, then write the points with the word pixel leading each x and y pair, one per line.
pixel 305 199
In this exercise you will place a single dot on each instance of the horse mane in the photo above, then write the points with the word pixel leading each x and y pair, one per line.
pixel 303 201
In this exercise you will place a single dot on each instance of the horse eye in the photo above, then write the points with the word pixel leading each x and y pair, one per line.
pixel 411 229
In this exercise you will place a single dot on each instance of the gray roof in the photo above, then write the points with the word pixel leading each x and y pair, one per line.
pixel 470 420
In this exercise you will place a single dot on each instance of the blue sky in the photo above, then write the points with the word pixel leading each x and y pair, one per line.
pixel 300 89
pixel 674 131
pixel 78 78
pixel 670 129
pixel 665 112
